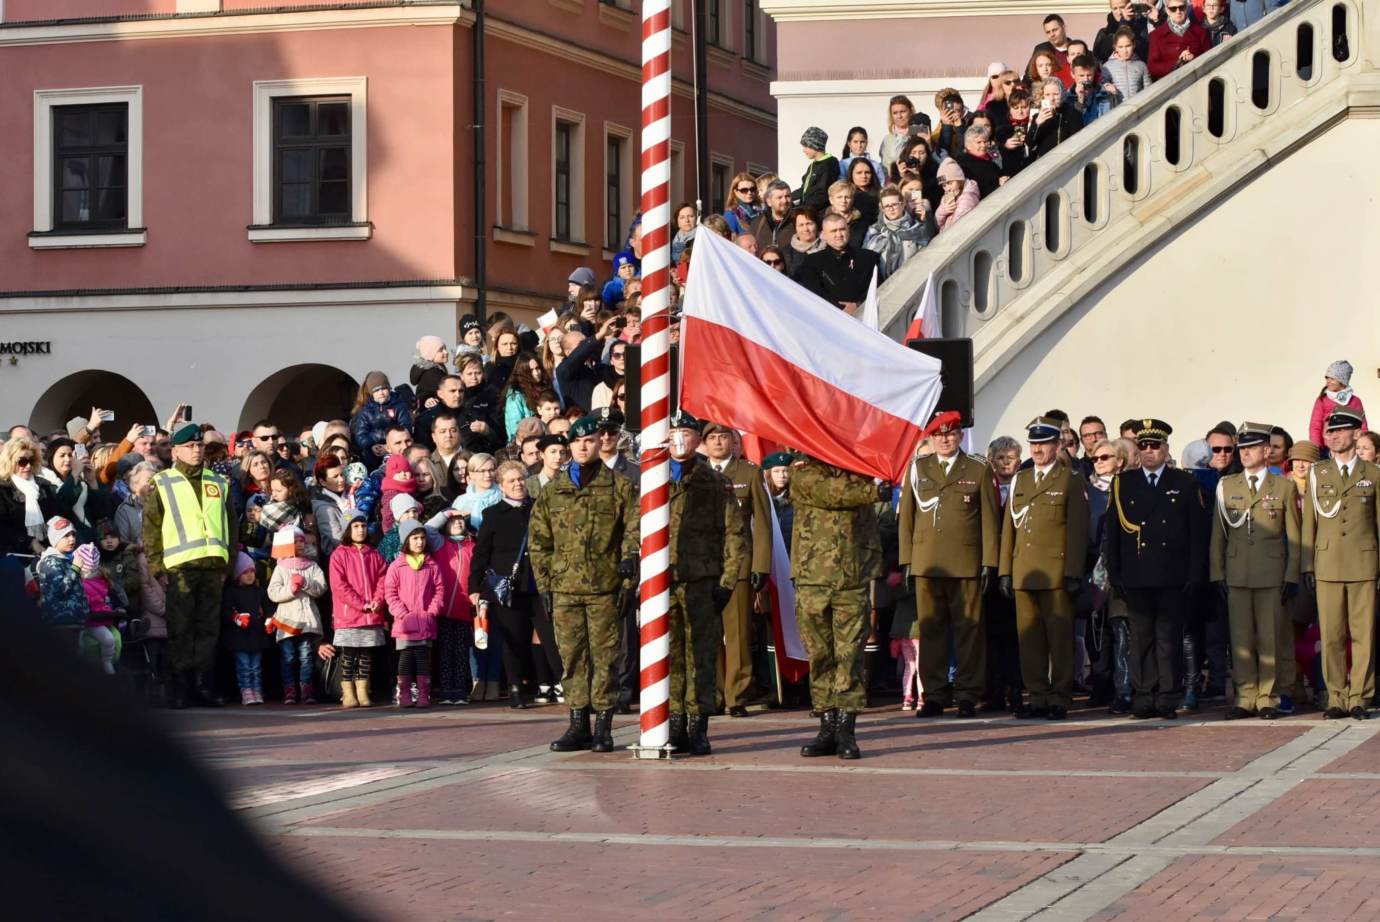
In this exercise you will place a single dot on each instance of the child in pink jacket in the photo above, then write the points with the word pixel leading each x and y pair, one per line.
pixel 1336 393
pixel 357 609
pixel 455 628
pixel 416 597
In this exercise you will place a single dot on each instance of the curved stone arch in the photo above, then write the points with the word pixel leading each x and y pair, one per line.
pixel 297 396
pixel 75 394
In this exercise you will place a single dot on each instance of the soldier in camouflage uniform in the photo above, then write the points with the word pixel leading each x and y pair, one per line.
pixel 708 545
pixel 836 552
pixel 583 537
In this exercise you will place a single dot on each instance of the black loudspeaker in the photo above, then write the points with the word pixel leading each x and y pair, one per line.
pixel 956 358
pixel 632 385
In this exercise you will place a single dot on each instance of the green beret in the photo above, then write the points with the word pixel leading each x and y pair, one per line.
pixel 584 426
pixel 714 428
pixel 188 433
pixel 778 459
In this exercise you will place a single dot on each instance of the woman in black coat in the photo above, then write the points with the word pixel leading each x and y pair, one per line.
pixel 19 460
pixel 502 550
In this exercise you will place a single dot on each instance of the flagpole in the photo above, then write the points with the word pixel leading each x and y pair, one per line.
pixel 653 620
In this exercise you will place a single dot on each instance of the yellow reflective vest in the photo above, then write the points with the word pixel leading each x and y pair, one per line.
pixel 194 527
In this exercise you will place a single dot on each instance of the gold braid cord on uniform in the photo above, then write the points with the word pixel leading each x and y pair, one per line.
pixel 1131 528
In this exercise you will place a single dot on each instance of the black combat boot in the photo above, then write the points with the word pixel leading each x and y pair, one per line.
pixel 603 731
pixel 823 744
pixel 576 736
pixel 205 692
pixel 699 735
pixel 843 735
pixel 679 741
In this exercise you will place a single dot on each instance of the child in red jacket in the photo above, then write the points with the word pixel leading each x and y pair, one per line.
pixel 1336 393
pixel 416 598
pixel 455 627
pixel 357 610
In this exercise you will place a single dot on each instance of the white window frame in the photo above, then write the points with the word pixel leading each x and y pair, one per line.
pixel 513 155
pixel 262 230
pixel 44 207
pixel 627 201
pixel 578 180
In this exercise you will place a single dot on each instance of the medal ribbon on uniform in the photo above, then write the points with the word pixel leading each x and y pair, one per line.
pixel 1245 518
pixel 925 505
pixel 1313 491
pixel 1131 528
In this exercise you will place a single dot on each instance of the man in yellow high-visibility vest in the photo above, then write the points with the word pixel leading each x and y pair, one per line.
pixel 189 539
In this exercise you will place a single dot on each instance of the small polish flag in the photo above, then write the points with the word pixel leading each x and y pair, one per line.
pixel 871 313
pixel 547 321
pixel 925 324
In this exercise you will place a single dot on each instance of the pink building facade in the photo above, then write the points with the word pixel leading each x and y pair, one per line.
pixel 249 207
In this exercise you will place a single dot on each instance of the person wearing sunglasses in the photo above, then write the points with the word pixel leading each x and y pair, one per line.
pixel 26 500
pixel 1111 678
pixel 1155 554
pixel 775 258
pixel 741 207
pixel 1176 41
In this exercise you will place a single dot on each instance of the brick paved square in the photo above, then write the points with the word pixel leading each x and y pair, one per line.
pixel 1364 758
pixel 1333 813
pixel 435 879
pixel 1286 889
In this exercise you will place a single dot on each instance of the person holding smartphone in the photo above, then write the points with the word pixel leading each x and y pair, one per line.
pixel 1055 121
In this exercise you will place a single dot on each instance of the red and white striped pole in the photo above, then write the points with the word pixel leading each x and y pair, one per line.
pixel 656 377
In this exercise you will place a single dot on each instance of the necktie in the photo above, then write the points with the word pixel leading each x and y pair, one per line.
pixel 1154 479
pixel 1039 475
pixel 1346 472
pixel 1254 478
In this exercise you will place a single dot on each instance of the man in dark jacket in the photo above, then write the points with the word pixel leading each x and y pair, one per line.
pixel 1155 553
pixel 773 226
pixel 977 163
pixel 1122 14
pixel 839 273
pixel 582 369
pixel 480 417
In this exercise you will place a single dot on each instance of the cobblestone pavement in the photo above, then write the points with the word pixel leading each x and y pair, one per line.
pixel 464 813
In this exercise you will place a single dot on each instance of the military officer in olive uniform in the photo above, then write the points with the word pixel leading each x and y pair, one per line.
pixel 1155 549
pixel 708 540
pixel 950 535
pixel 1255 559
pixel 836 553
pixel 189 529
pixel 583 536
pixel 1043 555
pixel 1341 526
pixel 751 495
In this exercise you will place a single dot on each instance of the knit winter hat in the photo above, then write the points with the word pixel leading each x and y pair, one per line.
pixel 429 346
pixel 814 138
pixel 949 171
pixel 1340 370
pixel 406 529
pixel 58 528
pixel 242 562
pixel 88 560
pixel 356 472
pixel 375 380
pixel 285 542
pixel 400 503
pixel 75 425
pixel 397 476
pixel 582 276
pixel 996 69
pixel 318 432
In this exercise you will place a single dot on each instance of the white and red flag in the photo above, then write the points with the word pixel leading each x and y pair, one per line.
pixel 764 355
pixel 925 324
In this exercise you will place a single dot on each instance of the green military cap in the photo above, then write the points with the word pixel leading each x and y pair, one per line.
pixel 584 426
pixel 188 433
pixel 1248 434
pixel 1153 430
pixel 778 459
pixel 1042 429
pixel 683 420
pixel 712 428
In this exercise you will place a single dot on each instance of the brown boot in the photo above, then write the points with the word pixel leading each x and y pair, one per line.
pixel 347 695
pixel 362 693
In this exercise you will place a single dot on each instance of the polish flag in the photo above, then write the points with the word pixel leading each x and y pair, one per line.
pixel 791 659
pixel 925 324
pixel 756 448
pixel 764 355
pixel 871 312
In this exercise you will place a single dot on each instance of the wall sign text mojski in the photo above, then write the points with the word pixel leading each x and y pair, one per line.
pixel 26 348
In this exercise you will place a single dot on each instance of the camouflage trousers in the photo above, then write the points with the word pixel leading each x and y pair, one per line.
pixel 833 627
pixel 587 635
pixel 697 630
pixel 193 613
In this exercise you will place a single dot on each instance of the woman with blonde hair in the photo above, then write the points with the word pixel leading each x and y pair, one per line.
pixel 26 501
pixel 741 206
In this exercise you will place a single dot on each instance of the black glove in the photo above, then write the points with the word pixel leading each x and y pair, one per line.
pixel 1310 582
pixel 546 603
pixel 721 597
pixel 757 580
pixel 1221 587
pixel 1004 584
pixel 985 579
pixel 1073 585
pixel 627 567
pixel 1290 590
pixel 884 492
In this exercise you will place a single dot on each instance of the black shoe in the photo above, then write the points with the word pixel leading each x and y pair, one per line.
pixel 1359 713
pixel 737 711
pixel 603 731
pixel 824 743
pixel 930 709
pixel 1334 713
pixel 699 736
pixel 1057 713
pixel 1031 713
pixel 843 733
pixel 1168 713
pixel 515 700
pixel 967 709
pixel 205 693
pixel 577 735
pixel 1268 713
pixel 1144 712
pixel 1237 713
pixel 680 742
